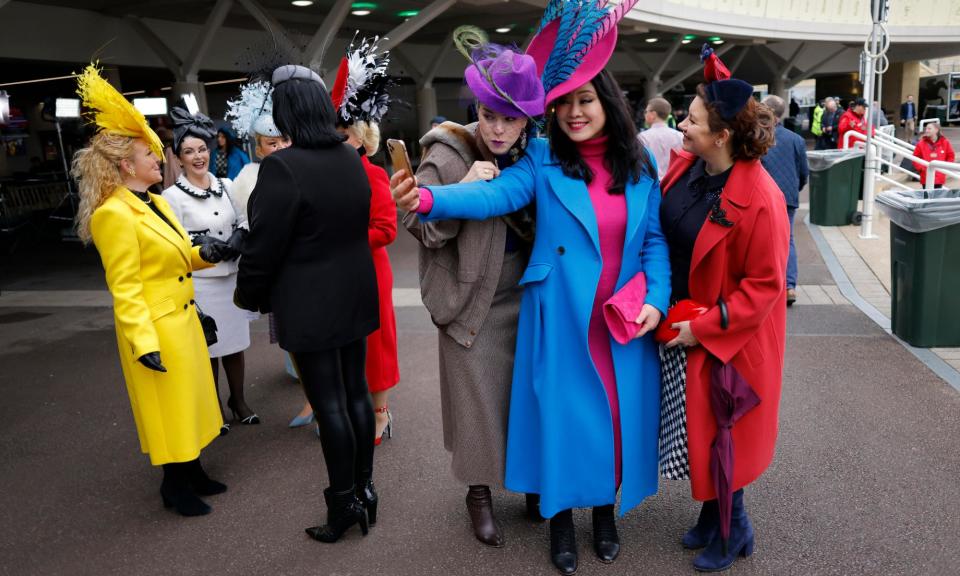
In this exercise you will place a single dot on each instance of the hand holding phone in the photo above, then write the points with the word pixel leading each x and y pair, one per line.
pixel 399 157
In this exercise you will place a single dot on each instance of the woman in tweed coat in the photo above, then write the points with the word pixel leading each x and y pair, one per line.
pixel 469 272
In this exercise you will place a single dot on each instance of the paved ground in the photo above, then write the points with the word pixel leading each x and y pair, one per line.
pixel 865 480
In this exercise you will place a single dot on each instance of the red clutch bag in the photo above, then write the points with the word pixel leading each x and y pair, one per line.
pixel 682 311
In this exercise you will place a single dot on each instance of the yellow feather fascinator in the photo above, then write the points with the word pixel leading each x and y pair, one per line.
pixel 111 111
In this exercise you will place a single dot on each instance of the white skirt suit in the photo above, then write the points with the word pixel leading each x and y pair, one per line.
pixel 212 212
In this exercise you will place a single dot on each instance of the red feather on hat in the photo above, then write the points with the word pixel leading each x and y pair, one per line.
pixel 340 84
pixel 713 68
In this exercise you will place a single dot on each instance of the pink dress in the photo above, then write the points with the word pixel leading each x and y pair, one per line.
pixel 611 213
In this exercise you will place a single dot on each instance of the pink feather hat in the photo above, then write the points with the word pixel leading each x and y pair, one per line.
pixel 595 60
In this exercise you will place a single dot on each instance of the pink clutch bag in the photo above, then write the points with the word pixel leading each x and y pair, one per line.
pixel 622 309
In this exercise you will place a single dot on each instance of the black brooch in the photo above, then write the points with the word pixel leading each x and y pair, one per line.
pixel 717 214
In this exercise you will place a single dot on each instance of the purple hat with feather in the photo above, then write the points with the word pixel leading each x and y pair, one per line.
pixel 506 82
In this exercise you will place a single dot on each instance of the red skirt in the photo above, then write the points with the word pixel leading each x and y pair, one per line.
pixel 383 370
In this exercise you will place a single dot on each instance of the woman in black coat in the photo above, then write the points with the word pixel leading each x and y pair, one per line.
pixel 307 260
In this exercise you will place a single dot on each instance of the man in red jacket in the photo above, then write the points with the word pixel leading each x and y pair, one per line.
pixel 933 146
pixel 853 119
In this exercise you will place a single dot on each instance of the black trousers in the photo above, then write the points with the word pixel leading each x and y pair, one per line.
pixel 334 383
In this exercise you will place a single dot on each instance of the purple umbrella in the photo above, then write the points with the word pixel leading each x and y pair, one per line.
pixel 730 398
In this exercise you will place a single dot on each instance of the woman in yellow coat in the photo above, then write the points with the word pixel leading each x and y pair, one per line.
pixel 149 264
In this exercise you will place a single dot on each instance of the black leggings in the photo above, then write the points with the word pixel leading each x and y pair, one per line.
pixel 334 383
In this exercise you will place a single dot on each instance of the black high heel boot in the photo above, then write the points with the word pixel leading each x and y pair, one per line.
pixel 563 543
pixel 200 482
pixel 175 492
pixel 367 495
pixel 343 511
pixel 606 541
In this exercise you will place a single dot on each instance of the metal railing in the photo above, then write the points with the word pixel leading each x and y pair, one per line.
pixel 898 148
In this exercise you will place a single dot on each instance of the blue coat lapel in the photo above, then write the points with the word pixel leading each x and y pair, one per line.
pixel 575 198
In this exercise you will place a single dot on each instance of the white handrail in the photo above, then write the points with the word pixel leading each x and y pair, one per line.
pixel 940 166
pixel 951 169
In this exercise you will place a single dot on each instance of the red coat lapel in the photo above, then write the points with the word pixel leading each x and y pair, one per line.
pixel 734 200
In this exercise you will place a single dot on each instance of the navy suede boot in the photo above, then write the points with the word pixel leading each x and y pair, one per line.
pixel 706 528
pixel 717 557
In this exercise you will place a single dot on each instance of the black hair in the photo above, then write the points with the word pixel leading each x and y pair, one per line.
pixel 302 109
pixel 625 156
pixel 178 143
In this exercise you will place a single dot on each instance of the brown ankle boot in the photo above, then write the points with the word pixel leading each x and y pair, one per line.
pixel 480 507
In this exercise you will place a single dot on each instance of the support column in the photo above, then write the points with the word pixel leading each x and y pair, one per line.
pixel 190 86
pixel 902 79
pixel 393 38
pixel 426 107
pixel 317 47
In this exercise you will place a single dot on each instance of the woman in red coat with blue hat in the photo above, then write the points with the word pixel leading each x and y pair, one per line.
pixel 727 228
pixel 585 399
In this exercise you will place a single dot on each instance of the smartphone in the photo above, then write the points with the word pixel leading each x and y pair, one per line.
pixel 399 157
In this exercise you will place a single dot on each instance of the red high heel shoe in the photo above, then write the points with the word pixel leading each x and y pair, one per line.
pixel 388 431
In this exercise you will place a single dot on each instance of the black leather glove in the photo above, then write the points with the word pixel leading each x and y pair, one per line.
pixel 235 242
pixel 211 249
pixel 152 361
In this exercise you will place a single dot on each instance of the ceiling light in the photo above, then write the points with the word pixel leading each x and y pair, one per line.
pixel 302 3
pixel 361 12
pixel 408 13
pixel 690 37
pixel 650 40
pixel 685 41
pixel 717 42
pixel 503 30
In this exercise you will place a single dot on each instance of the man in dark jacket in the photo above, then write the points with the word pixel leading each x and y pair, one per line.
pixel 829 125
pixel 908 118
pixel 786 162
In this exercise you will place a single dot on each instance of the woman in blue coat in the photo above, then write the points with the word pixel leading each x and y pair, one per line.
pixel 584 411
pixel 226 158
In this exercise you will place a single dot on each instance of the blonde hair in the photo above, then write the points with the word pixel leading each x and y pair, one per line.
pixel 368 134
pixel 97 171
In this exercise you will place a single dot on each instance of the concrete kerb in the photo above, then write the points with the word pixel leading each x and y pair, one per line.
pixel 939 367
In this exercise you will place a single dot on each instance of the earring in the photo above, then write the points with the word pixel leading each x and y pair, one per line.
pixel 719 143
pixel 523 140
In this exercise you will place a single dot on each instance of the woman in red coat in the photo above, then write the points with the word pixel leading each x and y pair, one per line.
pixel 933 146
pixel 383 371
pixel 727 228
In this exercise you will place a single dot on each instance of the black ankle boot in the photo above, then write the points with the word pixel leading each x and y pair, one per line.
pixel 480 508
pixel 705 529
pixel 200 482
pixel 533 508
pixel 563 543
pixel 343 511
pixel 606 541
pixel 367 495
pixel 175 492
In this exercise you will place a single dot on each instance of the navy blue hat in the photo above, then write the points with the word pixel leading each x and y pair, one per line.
pixel 727 95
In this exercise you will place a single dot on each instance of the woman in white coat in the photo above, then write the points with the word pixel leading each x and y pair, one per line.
pixel 203 204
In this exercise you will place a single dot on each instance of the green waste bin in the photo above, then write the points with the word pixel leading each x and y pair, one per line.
pixel 836 179
pixel 924 256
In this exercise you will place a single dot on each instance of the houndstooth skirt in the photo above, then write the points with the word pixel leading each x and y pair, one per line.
pixel 674 460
